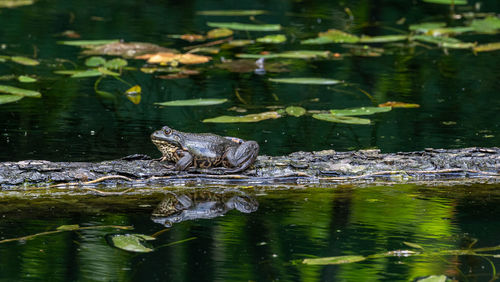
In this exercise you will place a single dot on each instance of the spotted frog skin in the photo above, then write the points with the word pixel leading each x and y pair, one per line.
pixel 204 150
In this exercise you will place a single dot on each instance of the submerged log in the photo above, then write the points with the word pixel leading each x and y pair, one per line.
pixel 323 168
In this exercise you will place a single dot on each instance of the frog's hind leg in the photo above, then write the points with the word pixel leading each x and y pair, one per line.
pixel 242 156
pixel 184 162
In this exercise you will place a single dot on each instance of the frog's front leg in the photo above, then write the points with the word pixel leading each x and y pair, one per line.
pixel 184 162
pixel 243 156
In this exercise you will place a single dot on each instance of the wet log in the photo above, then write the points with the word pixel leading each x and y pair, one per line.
pixel 322 168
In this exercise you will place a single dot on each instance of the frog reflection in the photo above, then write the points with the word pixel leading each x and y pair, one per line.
pixel 204 204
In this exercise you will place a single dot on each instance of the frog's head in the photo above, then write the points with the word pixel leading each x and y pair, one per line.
pixel 167 140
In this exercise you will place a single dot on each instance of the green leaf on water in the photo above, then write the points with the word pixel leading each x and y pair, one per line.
pixel 4 99
pixel 306 80
pixel 341 119
pixel 413 245
pixel 487 25
pixel 24 61
pixel 295 111
pixel 245 27
pixel 85 73
pixel 116 63
pixel 131 242
pixel 297 54
pixel 19 91
pixel 362 111
pixel 245 118
pixel 68 227
pixel 435 39
pixel 231 12
pixel 424 27
pixel 193 102
pixel 106 71
pixel 95 61
pixel 383 38
pixel 26 79
pixel 487 47
pixel 447 2
pixel 87 42
pixel 274 39
pixel 445 31
pixel 219 32
pixel 332 36
pixel 333 260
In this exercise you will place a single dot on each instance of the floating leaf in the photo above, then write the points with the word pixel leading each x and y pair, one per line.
pixel 131 242
pixel 246 27
pixel 237 43
pixel 19 91
pixel 341 119
pixel 487 47
pixel 244 65
pixel 68 227
pixel 362 111
pixel 458 45
pixel 115 63
pixel 219 32
pixel 295 111
pixel 424 27
pixel 333 260
pixel 434 278
pixel 447 2
pixel 95 61
pixel 317 41
pixel 245 118
pixel 24 61
pixel 382 38
pixel 164 58
pixel 436 39
pixel 274 39
pixel 332 36
pixel 487 25
pixel 306 80
pixel 26 79
pixel 15 3
pixel 106 71
pixel 126 49
pixel 192 37
pixel 134 94
pixel 399 105
pixel 193 102
pixel 83 73
pixel 298 54
pixel 413 245
pixel 4 99
pixel 449 30
pixel 231 13
pixel 88 42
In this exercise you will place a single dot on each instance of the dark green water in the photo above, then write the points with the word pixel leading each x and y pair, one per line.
pixel 263 245
pixel 457 92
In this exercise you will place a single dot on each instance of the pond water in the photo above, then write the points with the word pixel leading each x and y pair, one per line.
pixel 263 238
pixel 249 234
pixel 456 89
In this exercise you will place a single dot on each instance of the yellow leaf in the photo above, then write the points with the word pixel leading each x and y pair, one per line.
pixel 192 37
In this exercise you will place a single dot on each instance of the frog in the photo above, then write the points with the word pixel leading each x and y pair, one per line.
pixel 204 150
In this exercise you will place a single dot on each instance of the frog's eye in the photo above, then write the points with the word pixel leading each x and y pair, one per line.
pixel 167 130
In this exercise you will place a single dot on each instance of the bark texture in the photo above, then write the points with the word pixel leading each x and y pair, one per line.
pixel 430 167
